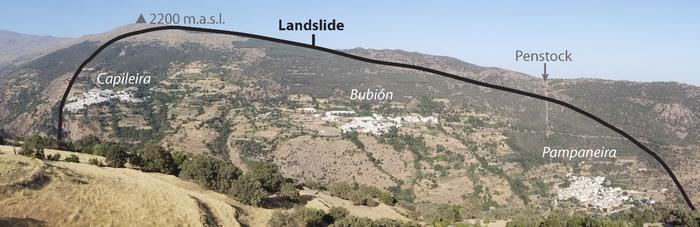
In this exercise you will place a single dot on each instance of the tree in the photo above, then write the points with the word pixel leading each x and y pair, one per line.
pixel 156 159
pixel 72 158
pixel 248 190
pixel 115 155
pixel 267 173
pixel 210 172
pixel 289 191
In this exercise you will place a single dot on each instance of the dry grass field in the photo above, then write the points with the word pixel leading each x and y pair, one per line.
pixel 74 194
pixel 57 193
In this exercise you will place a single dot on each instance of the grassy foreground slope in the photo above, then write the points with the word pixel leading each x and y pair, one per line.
pixel 58 193
pixel 75 194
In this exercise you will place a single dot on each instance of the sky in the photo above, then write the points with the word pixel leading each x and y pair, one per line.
pixel 620 40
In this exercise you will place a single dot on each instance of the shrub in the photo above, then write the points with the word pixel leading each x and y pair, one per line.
pixel 33 147
pixel 352 221
pixel 115 155
pixel 340 189
pixel 280 218
pixel 289 191
pixel 304 216
pixel 266 173
pixel 312 184
pixel 248 190
pixel 85 144
pixel 72 158
pixel 369 190
pixel 385 222
pixel 54 157
pixel 179 158
pixel 135 160
pixel 386 198
pixel 360 198
pixel 210 172
pixel 446 214
pixel 337 213
pixel 155 158
pixel 363 195
pixel 336 217
pixel 370 202
pixel 94 161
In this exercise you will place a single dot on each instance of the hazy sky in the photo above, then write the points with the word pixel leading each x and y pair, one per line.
pixel 623 40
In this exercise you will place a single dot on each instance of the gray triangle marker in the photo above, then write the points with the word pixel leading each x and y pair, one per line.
pixel 141 20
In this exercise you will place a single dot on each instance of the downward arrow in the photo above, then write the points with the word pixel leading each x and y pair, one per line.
pixel 545 75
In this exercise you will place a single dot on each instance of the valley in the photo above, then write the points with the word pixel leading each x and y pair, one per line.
pixel 430 142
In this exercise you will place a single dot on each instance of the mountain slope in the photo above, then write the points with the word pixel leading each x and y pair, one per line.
pixel 246 99
pixel 16 48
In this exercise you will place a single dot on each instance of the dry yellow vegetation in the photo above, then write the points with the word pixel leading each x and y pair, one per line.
pixel 73 194
pixel 58 193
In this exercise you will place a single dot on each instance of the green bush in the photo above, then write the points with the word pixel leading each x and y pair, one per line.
pixel 46 142
pixel 304 216
pixel 406 195
pixel 94 161
pixel 360 198
pixel 281 219
pixel 336 217
pixel 266 173
pixel 178 157
pixel 289 191
pixel 362 195
pixel 352 221
pixel 386 198
pixel 446 215
pixel 312 184
pixel 427 106
pixel 155 158
pixel 33 147
pixel 337 213
pixel 210 172
pixel 53 157
pixel 385 222
pixel 340 189
pixel 115 154
pixel 85 144
pixel 248 190
pixel 72 158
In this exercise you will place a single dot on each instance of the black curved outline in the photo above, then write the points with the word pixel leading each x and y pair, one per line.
pixel 373 61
